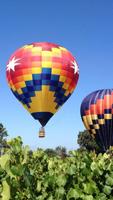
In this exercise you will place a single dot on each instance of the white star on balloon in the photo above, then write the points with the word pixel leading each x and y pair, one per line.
pixel 75 67
pixel 13 63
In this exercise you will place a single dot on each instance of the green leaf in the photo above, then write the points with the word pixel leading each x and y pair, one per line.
pixel 89 188
pixel 88 197
pixel 96 169
pixel 61 180
pixel 73 193
pixel 15 183
pixel 107 189
pixel 50 198
pixel 25 152
pixel 38 186
pixel 59 193
pixel 101 196
pixel 72 169
pixel 4 159
pixel 17 170
pixel 109 181
pixel 94 166
pixel 6 191
pixel 27 181
pixel 50 164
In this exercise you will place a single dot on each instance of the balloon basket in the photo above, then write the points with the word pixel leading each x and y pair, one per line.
pixel 41 132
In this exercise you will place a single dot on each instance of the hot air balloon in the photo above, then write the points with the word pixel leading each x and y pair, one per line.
pixel 42 76
pixel 97 116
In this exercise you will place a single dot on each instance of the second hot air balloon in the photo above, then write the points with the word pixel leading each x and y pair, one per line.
pixel 42 76
pixel 97 116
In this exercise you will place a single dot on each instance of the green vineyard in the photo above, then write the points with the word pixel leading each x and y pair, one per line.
pixel 35 175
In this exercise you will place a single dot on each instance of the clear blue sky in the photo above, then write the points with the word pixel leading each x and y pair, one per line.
pixel 85 27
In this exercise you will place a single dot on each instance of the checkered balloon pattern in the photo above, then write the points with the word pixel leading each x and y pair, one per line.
pixel 42 76
pixel 97 116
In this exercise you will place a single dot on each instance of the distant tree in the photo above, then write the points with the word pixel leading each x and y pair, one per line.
pixel 39 149
pixel 61 151
pixel 86 141
pixel 3 135
pixel 50 152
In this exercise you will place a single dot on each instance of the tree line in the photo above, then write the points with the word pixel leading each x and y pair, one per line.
pixel 85 141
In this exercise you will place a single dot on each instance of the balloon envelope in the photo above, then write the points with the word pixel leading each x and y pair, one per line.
pixel 42 76
pixel 97 116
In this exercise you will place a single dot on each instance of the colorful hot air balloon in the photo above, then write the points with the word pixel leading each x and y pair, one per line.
pixel 97 116
pixel 42 76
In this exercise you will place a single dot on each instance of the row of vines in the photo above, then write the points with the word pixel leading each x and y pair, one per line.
pixel 34 175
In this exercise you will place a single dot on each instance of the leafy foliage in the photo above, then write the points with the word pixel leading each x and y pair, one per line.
pixel 50 152
pixel 26 174
pixel 86 141
pixel 59 151
pixel 3 135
